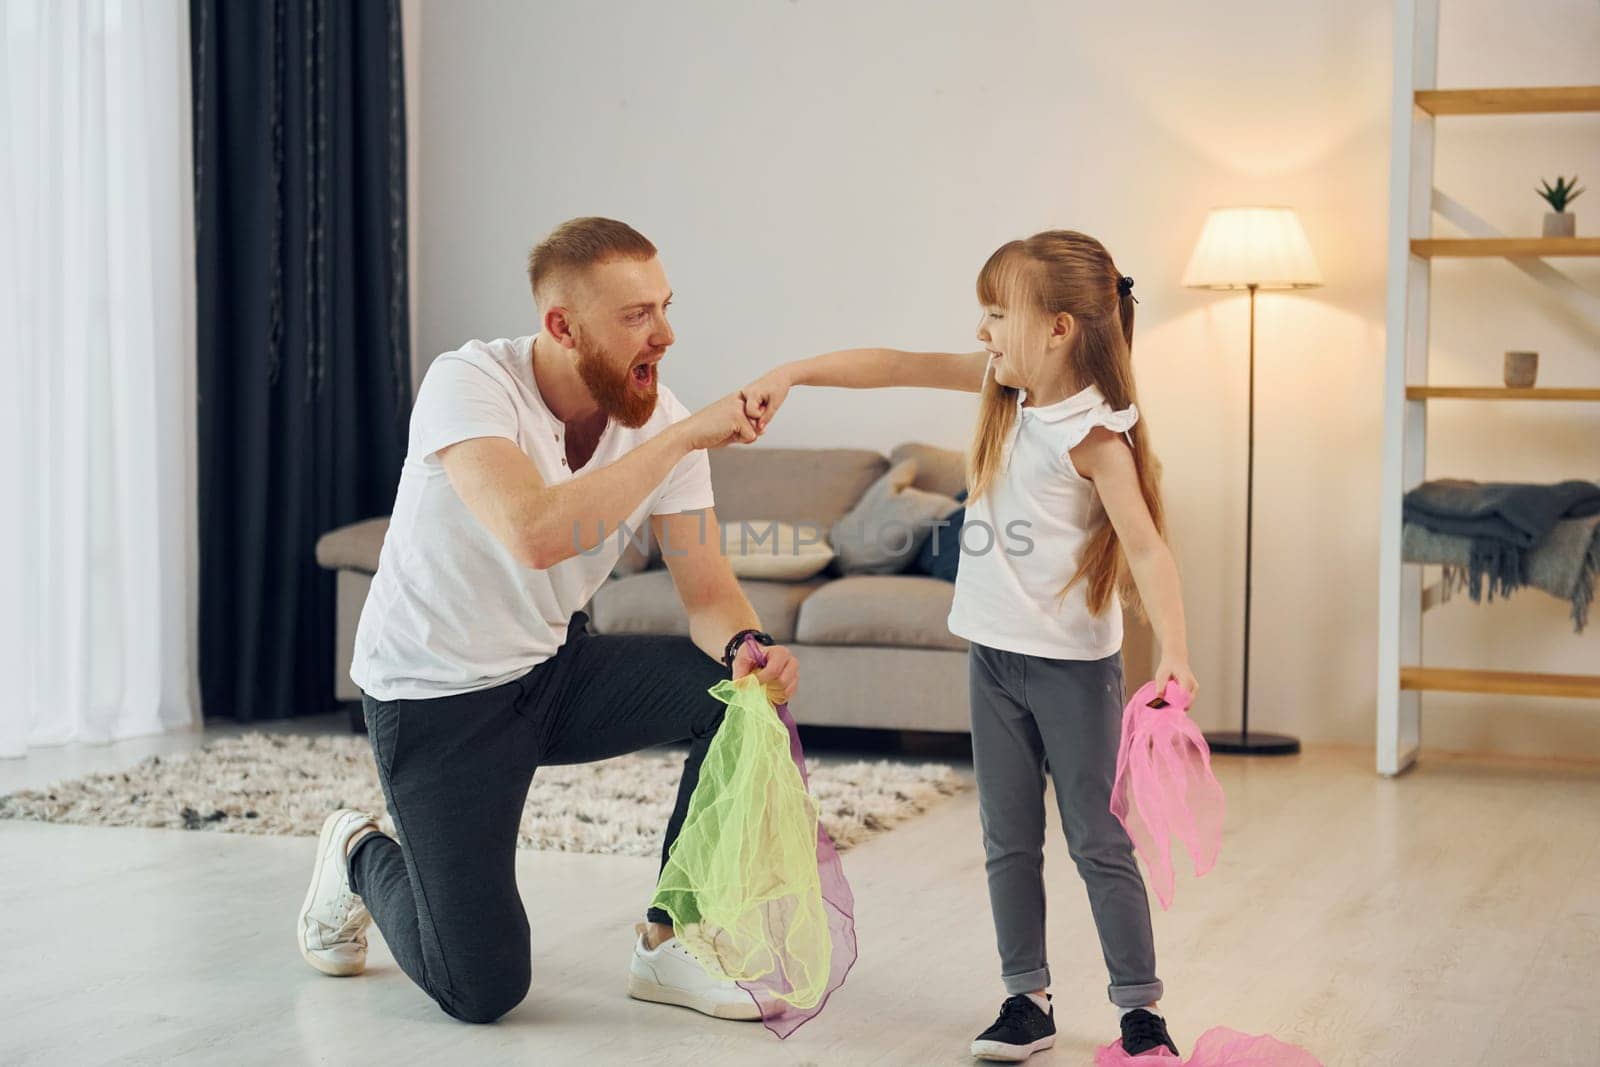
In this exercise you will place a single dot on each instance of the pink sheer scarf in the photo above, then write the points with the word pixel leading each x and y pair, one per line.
pixel 1164 786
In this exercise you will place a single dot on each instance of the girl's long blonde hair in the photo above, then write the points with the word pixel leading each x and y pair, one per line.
pixel 1036 279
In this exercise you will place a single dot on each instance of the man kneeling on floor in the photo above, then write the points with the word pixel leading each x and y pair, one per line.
pixel 474 661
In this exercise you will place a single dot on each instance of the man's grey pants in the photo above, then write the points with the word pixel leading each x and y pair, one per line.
pixel 1030 714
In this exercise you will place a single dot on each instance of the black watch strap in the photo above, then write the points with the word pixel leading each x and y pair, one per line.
pixel 731 651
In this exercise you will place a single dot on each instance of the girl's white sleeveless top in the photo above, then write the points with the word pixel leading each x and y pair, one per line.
pixel 1024 538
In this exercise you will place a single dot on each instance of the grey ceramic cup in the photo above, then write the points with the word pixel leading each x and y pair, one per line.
pixel 1522 369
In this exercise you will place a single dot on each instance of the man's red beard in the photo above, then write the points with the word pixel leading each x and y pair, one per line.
pixel 613 388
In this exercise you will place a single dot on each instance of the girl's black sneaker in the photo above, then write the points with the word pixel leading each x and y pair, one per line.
pixel 1143 1031
pixel 1020 1031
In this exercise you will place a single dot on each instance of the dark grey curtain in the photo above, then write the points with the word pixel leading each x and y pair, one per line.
pixel 304 363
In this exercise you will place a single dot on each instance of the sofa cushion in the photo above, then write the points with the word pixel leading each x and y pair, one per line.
pixel 792 484
pixel 354 547
pixel 941 554
pixel 897 610
pixel 775 551
pixel 648 603
pixel 939 470
pixel 884 531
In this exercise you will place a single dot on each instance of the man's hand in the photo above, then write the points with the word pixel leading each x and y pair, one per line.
pixel 764 396
pixel 781 675
pixel 721 423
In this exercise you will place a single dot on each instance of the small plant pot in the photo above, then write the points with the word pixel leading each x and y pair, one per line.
pixel 1560 224
pixel 1522 369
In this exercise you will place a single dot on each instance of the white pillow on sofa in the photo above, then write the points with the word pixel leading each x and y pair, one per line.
pixel 775 551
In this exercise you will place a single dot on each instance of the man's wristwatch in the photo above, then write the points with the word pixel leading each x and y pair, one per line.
pixel 731 652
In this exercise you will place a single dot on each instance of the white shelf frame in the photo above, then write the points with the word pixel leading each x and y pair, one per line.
pixel 1405 422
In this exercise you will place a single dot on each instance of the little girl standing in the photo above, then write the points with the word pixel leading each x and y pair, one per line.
pixel 1061 457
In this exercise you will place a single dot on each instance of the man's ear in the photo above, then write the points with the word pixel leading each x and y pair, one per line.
pixel 557 324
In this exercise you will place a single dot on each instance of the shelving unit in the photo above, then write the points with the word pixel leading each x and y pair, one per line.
pixel 1443 680
pixel 1541 101
pixel 1458 392
pixel 1407 392
pixel 1504 247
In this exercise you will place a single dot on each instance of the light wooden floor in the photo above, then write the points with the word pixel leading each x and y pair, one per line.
pixel 1449 917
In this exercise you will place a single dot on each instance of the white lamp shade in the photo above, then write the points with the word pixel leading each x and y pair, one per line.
pixel 1244 246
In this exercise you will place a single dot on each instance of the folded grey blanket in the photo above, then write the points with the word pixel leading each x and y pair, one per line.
pixel 1501 520
pixel 1520 515
pixel 1566 564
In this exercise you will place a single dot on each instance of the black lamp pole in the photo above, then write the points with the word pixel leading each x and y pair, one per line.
pixel 1245 743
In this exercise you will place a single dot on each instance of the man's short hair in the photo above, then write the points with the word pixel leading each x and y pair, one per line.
pixel 579 244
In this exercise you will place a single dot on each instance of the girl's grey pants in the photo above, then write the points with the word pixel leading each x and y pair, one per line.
pixel 1030 716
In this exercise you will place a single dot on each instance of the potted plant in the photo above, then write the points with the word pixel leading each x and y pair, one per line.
pixel 1558 221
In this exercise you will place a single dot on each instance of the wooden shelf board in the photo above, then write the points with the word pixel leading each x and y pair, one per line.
pixel 1505 247
pixel 1510 683
pixel 1543 100
pixel 1457 392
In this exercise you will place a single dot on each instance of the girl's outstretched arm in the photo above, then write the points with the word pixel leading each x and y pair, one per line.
pixel 864 368
pixel 1106 460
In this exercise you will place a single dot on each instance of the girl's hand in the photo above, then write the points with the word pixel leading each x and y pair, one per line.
pixel 1178 671
pixel 764 396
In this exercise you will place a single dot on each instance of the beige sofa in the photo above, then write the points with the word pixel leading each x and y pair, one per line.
pixel 873 649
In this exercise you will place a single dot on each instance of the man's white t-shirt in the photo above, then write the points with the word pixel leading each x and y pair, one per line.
pixel 450 610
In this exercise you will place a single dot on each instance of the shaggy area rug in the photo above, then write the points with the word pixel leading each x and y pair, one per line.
pixel 285 784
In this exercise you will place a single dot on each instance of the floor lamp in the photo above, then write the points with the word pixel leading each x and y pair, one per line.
pixel 1252 248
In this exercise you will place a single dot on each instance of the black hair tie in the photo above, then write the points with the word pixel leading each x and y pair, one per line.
pixel 1125 287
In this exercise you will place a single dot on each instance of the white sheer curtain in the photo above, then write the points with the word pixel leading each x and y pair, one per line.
pixel 98 568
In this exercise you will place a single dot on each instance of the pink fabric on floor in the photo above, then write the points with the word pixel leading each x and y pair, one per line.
pixel 1164 786
pixel 1217 1047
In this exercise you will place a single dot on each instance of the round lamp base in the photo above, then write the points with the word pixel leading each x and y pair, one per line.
pixel 1233 743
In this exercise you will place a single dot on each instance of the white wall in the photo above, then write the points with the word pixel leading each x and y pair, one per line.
pixel 825 174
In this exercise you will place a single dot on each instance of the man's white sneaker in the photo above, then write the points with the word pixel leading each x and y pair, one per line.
pixel 333 920
pixel 669 974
